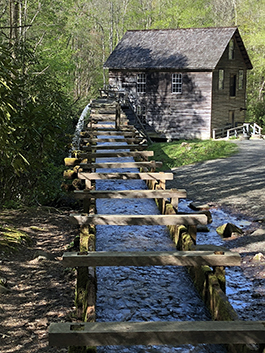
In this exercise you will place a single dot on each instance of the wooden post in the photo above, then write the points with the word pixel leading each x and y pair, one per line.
pixel 87 202
pixel 175 201
pixel 192 230
pixel 85 297
pixel 219 272
pixel 118 116
pixel 162 202
pixel 82 276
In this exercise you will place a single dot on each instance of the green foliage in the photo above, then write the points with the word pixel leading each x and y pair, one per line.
pixel 178 153
pixel 35 117
pixel 7 104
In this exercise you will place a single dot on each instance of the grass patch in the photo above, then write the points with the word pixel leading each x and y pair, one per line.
pixel 179 153
pixel 11 238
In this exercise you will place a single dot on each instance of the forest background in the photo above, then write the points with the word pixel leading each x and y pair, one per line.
pixel 51 64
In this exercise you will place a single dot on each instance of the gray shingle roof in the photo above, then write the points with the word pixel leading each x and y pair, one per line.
pixel 189 48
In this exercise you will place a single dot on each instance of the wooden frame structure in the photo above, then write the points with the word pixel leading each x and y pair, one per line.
pixel 143 333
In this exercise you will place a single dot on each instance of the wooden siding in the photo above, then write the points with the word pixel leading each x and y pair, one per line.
pixel 222 102
pixel 172 115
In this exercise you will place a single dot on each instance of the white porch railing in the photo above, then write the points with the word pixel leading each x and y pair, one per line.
pixel 247 129
pixel 256 129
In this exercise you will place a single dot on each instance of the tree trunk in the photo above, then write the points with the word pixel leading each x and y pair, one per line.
pixel 14 16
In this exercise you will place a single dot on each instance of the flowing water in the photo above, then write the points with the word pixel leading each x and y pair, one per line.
pixel 238 287
pixel 142 293
pixel 78 129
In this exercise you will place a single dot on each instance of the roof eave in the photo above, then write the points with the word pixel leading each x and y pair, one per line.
pixel 243 50
pixel 160 68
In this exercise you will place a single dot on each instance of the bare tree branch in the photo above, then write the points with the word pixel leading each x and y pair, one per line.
pixel 8 27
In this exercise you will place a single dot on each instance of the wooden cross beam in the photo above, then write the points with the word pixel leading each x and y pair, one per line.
pixel 99 118
pixel 110 165
pixel 121 127
pixel 89 156
pixel 151 258
pixel 130 194
pixel 110 133
pixel 166 220
pixel 125 176
pixel 96 140
pixel 102 154
pixel 115 147
pixel 156 333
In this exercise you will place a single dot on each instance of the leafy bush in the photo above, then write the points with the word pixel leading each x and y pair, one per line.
pixel 35 119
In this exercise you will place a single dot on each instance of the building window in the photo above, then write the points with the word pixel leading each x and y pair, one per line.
pixel 221 79
pixel 232 85
pixel 240 79
pixel 177 83
pixel 141 83
pixel 231 50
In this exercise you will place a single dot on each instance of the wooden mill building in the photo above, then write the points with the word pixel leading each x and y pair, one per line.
pixel 183 82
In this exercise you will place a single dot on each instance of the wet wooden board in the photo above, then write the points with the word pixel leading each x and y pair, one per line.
pixel 166 220
pixel 115 147
pixel 156 333
pixel 125 176
pixel 151 258
pixel 130 194
pixel 151 164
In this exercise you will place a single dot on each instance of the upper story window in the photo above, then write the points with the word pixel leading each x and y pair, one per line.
pixel 240 79
pixel 232 85
pixel 231 49
pixel 141 83
pixel 177 83
pixel 221 79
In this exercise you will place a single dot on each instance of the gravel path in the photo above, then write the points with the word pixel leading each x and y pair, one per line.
pixel 237 182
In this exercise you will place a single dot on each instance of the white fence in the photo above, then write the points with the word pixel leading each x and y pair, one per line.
pixel 247 129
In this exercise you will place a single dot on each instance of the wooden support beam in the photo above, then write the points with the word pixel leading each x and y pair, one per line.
pixel 166 220
pixel 151 258
pixel 130 194
pixel 89 133
pixel 121 128
pixel 156 333
pixel 115 147
pixel 125 176
pixel 100 118
pixel 151 165
pixel 102 154
pixel 96 140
